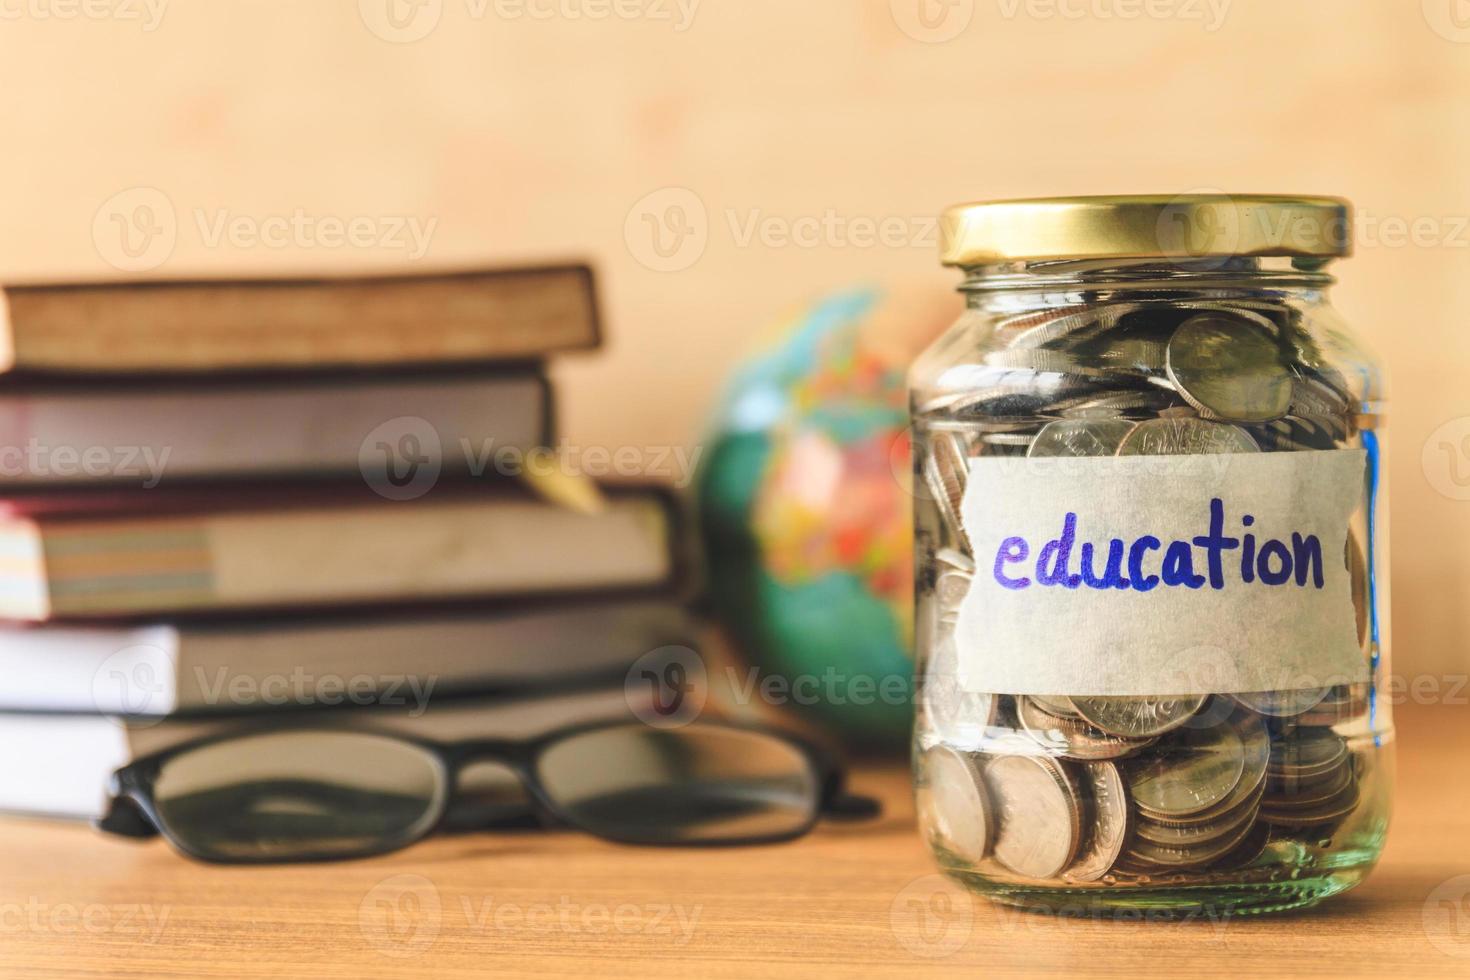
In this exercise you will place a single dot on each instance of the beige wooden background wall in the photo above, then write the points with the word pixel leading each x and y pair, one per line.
pixel 525 129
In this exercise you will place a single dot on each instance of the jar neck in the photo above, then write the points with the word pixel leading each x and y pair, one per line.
pixel 1068 281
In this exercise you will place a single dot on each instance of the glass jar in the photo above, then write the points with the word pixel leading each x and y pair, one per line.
pixel 1151 562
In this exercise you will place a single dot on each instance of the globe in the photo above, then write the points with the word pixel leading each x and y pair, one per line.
pixel 806 515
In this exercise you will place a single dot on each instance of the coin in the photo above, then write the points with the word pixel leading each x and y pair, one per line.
pixel 958 803
pixel 1255 743
pixel 1112 820
pixel 1230 369
pixel 1080 437
pixel 1055 704
pixel 1193 771
pixel 963 718
pixel 1039 815
pixel 1203 832
pixel 1192 856
pixel 1185 437
pixel 1307 752
pixel 1282 704
pixel 1072 737
pixel 1143 717
pixel 946 470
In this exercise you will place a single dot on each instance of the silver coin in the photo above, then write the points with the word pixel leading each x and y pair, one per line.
pixel 1142 849
pixel 1073 738
pixel 1080 437
pixel 963 718
pixel 1230 369
pixel 1044 361
pixel 1307 752
pixel 950 589
pixel 1055 704
pixel 1244 799
pixel 1144 717
pixel 1204 831
pixel 1088 320
pixel 1113 403
pixel 1112 822
pixel 1038 815
pixel 1195 770
pixel 1282 704
pixel 955 559
pixel 1331 811
pixel 1185 437
pixel 1293 793
pixel 957 803
pixel 946 470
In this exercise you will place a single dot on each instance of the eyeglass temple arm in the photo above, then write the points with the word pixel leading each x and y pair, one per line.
pixel 125 819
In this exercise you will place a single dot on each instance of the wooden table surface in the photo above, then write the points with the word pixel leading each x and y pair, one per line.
pixel 849 900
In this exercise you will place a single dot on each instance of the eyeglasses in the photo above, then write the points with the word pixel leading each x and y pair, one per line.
pixel 320 794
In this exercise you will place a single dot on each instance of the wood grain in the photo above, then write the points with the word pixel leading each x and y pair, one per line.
pixel 842 902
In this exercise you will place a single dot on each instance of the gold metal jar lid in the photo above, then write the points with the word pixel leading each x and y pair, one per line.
pixel 1145 226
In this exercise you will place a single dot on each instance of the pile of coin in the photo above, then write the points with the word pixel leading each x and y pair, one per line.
pixel 1081 789
pixel 1207 794
pixel 1133 379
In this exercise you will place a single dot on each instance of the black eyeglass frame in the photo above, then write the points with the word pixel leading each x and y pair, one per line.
pixel 133 810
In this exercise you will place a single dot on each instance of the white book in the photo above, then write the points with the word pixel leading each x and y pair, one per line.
pixel 284 663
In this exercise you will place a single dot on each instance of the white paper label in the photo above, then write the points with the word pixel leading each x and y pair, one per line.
pixel 1153 575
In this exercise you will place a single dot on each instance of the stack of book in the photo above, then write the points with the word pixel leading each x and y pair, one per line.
pixel 245 504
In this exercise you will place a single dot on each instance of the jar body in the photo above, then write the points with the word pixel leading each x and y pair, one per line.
pixel 1174 699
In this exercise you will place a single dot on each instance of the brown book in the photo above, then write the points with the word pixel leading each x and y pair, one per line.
pixel 242 325
pixel 199 549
